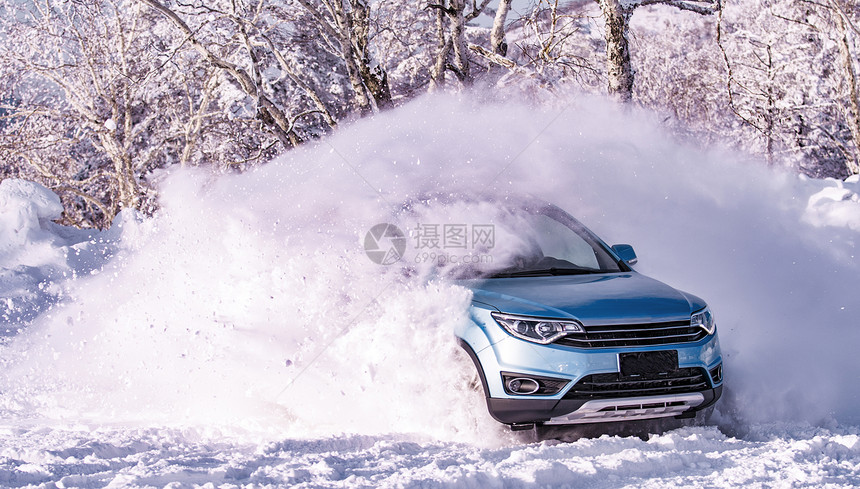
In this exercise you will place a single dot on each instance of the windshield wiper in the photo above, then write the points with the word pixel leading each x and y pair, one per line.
pixel 545 271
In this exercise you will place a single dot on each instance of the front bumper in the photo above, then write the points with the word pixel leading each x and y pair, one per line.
pixel 568 411
pixel 494 352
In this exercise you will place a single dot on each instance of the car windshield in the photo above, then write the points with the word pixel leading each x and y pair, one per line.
pixel 550 242
pixel 468 239
pixel 463 238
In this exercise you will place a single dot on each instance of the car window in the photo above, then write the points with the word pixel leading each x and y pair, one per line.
pixel 558 241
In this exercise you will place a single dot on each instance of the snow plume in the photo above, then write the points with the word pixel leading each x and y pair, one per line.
pixel 249 300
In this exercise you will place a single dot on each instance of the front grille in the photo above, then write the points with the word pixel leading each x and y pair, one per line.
pixel 614 385
pixel 634 335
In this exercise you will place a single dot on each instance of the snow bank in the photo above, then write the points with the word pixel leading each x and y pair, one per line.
pixel 26 210
pixel 249 301
pixel 837 204
pixel 38 256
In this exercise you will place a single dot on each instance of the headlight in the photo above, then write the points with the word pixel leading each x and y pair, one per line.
pixel 537 330
pixel 705 320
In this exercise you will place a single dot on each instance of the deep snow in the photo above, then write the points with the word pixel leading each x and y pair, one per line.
pixel 242 336
pixel 689 457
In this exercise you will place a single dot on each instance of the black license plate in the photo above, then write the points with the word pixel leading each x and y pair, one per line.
pixel 647 363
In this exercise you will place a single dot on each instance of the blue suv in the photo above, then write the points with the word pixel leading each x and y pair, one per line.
pixel 566 332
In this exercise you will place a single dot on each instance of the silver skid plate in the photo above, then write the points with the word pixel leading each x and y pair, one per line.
pixel 631 408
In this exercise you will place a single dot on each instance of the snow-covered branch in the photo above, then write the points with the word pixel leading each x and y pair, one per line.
pixel 700 7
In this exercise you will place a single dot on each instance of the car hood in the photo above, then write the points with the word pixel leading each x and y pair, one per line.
pixel 614 298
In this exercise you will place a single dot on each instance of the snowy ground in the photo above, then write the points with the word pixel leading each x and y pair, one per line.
pixel 687 457
pixel 242 338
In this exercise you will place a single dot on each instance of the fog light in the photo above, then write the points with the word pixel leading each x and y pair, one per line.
pixel 523 386
pixel 717 374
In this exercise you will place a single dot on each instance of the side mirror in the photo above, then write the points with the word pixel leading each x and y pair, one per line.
pixel 626 253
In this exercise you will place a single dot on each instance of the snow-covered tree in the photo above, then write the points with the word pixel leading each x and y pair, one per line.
pixel 682 73
pixel 788 76
pixel 841 18
pixel 97 95
pixel 556 42
pixel 403 39
pixel 82 75
pixel 616 15
pixel 452 52
pixel 247 72
pixel 344 28
pixel 103 93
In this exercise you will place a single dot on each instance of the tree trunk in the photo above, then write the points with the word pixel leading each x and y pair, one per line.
pixel 344 38
pixel 128 191
pixel 619 69
pixel 372 73
pixel 458 41
pixel 443 48
pixel 771 111
pixel 497 34
pixel 853 115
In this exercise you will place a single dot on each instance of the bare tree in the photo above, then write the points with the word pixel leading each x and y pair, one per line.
pixel 842 22
pixel 403 38
pixel 452 48
pixel 270 113
pixel 789 79
pixel 552 46
pixel 83 78
pixel 99 99
pixel 548 50
pixel 616 15
pixel 347 24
